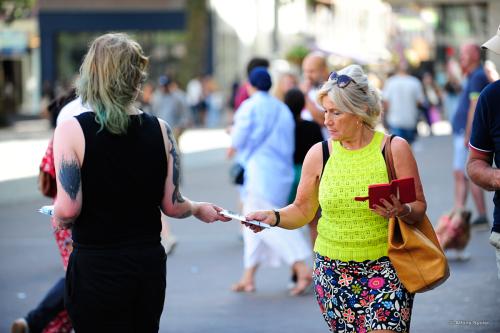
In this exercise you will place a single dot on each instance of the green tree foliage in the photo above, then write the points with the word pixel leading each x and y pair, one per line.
pixel 196 40
pixel 296 54
pixel 11 10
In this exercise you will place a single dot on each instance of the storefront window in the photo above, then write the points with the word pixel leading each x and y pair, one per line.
pixel 165 50
pixel 458 24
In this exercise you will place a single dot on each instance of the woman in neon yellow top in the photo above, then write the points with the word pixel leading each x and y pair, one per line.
pixel 356 286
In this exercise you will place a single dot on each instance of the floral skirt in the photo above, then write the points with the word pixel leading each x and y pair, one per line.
pixel 361 296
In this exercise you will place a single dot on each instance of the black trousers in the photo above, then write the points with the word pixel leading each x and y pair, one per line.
pixel 116 289
pixel 47 309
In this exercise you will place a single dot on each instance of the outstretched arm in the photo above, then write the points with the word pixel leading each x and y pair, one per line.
pixel 174 204
pixel 305 205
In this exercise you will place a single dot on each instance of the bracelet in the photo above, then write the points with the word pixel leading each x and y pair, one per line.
pixel 278 218
pixel 409 211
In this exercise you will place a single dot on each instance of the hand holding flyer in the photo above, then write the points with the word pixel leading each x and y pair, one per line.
pixel 233 215
pixel 47 210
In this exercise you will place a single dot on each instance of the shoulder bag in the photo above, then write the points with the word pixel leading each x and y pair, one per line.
pixel 414 250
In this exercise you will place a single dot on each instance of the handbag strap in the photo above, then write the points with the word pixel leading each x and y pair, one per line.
pixel 326 154
pixel 389 161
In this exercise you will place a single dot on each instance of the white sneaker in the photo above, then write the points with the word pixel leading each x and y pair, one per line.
pixel 457 255
pixel 495 241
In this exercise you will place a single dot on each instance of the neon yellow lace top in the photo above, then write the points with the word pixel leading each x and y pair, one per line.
pixel 347 229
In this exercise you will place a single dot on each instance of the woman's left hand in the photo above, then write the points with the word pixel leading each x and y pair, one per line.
pixel 389 209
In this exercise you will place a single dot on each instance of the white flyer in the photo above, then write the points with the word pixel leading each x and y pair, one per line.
pixel 47 210
pixel 236 216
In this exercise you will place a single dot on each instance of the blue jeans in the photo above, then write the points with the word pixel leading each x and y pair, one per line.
pixel 408 134
pixel 47 309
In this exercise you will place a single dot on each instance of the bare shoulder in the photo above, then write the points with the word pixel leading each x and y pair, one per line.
pixel 165 127
pixel 401 149
pixel 316 151
pixel 313 161
pixel 68 129
pixel 166 133
pixel 400 146
pixel 69 138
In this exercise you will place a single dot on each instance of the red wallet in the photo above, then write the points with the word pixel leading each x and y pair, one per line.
pixel 403 189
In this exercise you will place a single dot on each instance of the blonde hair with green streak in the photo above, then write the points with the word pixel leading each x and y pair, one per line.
pixel 111 76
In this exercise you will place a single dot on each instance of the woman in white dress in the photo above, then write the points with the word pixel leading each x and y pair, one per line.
pixel 263 135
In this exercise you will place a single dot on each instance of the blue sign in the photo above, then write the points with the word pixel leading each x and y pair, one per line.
pixel 13 42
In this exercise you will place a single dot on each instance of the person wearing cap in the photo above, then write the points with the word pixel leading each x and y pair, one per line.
pixel 484 146
pixel 263 136
pixel 242 92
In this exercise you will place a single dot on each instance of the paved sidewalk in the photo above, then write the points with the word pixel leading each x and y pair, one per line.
pixel 208 259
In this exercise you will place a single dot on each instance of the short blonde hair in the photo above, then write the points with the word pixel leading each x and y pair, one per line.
pixel 360 98
pixel 111 77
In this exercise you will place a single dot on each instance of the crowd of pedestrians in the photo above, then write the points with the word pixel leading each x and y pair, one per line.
pixel 307 147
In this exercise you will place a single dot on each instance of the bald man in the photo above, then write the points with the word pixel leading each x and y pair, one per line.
pixel 315 72
pixel 475 82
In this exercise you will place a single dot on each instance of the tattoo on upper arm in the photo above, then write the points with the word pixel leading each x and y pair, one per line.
pixel 176 195
pixel 69 176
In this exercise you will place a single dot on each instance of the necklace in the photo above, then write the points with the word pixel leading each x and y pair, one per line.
pixel 345 147
pixel 360 146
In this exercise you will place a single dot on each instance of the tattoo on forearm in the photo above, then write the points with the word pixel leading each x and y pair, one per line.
pixel 176 195
pixel 187 213
pixel 69 176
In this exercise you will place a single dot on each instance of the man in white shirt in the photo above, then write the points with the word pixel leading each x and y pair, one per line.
pixel 402 96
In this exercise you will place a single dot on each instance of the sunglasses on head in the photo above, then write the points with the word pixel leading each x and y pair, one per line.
pixel 342 81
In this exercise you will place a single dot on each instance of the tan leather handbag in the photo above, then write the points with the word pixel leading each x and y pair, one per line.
pixel 414 249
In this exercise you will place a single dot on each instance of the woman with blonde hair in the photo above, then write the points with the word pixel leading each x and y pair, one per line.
pixel 116 167
pixel 356 285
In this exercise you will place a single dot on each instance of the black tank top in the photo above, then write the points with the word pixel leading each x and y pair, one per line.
pixel 123 180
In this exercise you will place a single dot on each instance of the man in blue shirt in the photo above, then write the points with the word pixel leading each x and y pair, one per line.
pixel 485 146
pixel 475 81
